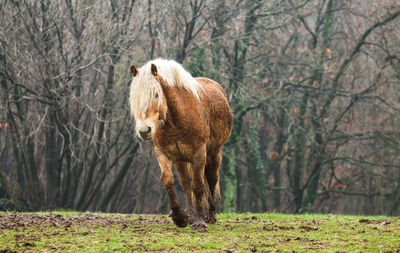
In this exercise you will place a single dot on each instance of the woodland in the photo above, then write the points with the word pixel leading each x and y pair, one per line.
pixel 314 86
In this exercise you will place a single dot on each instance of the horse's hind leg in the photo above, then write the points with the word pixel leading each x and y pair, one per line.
pixel 200 189
pixel 167 178
pixel 212 176
pixel 185 177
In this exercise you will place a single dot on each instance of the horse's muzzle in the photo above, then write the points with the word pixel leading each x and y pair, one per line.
pixel 146 135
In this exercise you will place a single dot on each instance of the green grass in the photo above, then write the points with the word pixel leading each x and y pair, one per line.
pixel 88 232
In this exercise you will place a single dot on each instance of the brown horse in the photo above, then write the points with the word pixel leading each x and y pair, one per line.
pixel 188 119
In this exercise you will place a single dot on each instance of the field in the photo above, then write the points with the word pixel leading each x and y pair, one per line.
pixel 97 232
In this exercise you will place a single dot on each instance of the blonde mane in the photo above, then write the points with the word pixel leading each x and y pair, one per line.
pixel 144 86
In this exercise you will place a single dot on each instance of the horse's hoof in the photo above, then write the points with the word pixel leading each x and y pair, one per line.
pixel 191 219
pixel 180 219
pixel 200 226
pixel 211 220
pixel 190 216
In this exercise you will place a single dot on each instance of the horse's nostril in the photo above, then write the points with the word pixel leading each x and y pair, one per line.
pixel 148 130
pixel 145 134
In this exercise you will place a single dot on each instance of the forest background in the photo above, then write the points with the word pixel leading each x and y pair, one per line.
pixel 313 85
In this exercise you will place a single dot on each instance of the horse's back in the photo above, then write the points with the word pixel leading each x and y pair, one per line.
pixel 218 113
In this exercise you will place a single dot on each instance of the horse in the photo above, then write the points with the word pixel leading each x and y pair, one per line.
pixel 188 119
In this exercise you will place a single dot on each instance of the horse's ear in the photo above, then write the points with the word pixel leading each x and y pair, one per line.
pixel 134 71
pixel 153 69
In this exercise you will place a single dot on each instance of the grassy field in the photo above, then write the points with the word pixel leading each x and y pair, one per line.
pixel 96 232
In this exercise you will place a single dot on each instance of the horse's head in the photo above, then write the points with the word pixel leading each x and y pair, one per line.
pixel 148 103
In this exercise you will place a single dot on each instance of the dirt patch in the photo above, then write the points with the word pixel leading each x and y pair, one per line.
pixel 276 228
pixel 308 228
pixel 31 230
pixel 376 222
pixel 21 221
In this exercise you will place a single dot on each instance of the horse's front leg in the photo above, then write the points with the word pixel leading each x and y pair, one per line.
pixel 185 177
pixel 167 178
pixel 200 189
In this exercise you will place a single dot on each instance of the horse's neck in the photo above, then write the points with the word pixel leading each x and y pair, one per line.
pixel 166 93
pixel 171 99
pixel 179 102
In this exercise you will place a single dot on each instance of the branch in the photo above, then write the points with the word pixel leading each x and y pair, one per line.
pixel 361 42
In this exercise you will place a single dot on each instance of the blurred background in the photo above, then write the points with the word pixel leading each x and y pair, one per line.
pixel 314 86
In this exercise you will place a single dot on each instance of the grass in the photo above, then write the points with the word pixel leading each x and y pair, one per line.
pixel 97 232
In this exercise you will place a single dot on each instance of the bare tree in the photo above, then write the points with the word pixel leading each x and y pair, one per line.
pixel 312 84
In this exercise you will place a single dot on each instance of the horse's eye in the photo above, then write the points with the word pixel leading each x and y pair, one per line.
pixel 156 95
